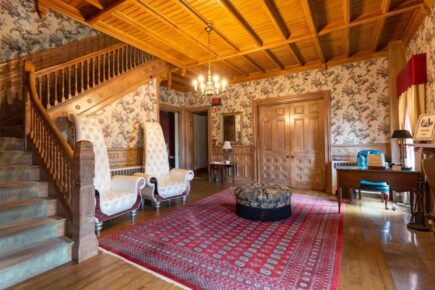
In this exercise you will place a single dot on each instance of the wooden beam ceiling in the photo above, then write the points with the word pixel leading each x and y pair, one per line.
pixel 251 38
pixel 308 11
pixel 233 11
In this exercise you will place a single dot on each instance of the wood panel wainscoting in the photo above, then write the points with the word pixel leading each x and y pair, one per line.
pixel 125 157
pixel 242 156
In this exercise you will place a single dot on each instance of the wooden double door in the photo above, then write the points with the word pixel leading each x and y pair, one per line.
pixel 292 144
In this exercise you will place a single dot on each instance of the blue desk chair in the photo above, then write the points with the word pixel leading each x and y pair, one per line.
pixel 381 187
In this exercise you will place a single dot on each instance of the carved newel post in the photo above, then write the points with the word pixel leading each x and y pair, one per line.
pixel 83 203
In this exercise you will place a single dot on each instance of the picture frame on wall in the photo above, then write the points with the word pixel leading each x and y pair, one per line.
pixel 425 128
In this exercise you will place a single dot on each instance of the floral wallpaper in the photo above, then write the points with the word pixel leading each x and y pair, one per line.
pixel 121 120
pixel 172 97
pixel 359 100
pixel 23 32
pixel 424 42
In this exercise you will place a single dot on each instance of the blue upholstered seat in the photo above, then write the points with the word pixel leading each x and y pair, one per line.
pixel 381 186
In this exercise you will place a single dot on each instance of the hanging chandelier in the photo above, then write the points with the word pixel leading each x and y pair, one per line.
pixel 210 87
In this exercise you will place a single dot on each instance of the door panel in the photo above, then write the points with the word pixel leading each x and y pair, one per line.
pixel 292 144
pixel 308 148
pixel 274 144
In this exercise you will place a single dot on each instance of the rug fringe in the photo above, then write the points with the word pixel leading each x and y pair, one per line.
pixel 145 269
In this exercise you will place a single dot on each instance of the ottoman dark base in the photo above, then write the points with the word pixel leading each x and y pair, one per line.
pixel 263 214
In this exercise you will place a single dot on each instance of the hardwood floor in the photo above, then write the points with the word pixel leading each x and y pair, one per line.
pixel 378 253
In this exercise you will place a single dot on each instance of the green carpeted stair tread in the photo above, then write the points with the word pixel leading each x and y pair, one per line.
pixel 14 211
pixel 24 233
pixel 14 190
pixel 19 172
pixel 10 229
pixel 14 157
pixel 24 263
pixel 11 143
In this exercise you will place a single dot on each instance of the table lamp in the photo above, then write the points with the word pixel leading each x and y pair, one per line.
pixel 401 136
pixel 227 150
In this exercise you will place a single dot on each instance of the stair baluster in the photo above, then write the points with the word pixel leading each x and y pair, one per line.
pixel 74 186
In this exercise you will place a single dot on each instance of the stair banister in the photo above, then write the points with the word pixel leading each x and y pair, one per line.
pixel 85 73
pixel 71 172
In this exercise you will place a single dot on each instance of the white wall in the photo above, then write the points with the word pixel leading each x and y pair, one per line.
pixel 200 141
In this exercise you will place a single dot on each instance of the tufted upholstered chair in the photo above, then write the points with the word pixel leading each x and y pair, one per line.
pixel 162 184
pixel 114 195
pixel 381 187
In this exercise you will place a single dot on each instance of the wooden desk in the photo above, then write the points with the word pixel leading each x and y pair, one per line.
pixel 222 166
pixel 400 181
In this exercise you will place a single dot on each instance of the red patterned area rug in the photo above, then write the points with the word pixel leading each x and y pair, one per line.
pixel 205 245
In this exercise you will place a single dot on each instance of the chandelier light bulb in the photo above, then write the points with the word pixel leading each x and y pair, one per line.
pixel 210 85
pixel 224 84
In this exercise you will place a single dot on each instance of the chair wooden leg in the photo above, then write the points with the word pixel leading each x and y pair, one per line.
pixel 157 204
pixel 133 215
pixel 359 194
pixel 98 227
pixel 386 200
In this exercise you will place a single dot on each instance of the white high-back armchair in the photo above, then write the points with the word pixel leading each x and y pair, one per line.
pixel 116 195
pixel 162 184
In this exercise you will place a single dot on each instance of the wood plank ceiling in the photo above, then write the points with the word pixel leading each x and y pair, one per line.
pixel 252 39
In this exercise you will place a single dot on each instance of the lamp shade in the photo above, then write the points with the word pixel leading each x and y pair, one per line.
pixel 227 145
pixel 405 134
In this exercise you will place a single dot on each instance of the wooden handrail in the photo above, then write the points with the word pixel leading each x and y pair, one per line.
pixel 71 172
pixel 61 83
pixel 78 59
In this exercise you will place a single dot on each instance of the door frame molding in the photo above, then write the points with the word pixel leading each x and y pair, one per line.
pixel 181 141
pixel 325 96
pixel 189 140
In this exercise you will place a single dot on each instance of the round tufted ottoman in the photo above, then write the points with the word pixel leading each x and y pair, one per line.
pixel 263 201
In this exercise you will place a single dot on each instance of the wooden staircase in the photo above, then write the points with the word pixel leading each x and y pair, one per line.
pixel 32 235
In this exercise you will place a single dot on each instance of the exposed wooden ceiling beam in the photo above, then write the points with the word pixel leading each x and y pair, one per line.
pixel 347 14
pixel 273 58
pixel 235 68
pixel 310 66
pixel 323 32
pixel 254 64
pixel 186 6
pixel 279 72
pixel 236 14
pixel 170 23
pixel 62 7
pixel 306 5
pixel 358 22
pixel 96 3
pixel 116 33
pixel 107 11
pixel 275 16
pixel 416 19
pixel 385 7
pixel 295 54
pixel 172 44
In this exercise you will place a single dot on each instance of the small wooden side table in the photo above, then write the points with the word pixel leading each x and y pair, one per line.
pixel 222 167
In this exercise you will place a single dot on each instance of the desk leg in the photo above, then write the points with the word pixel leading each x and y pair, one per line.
pixel 210 173
pixel 411 205
pixel 339 198
pixel 222 175
pixel 234 172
